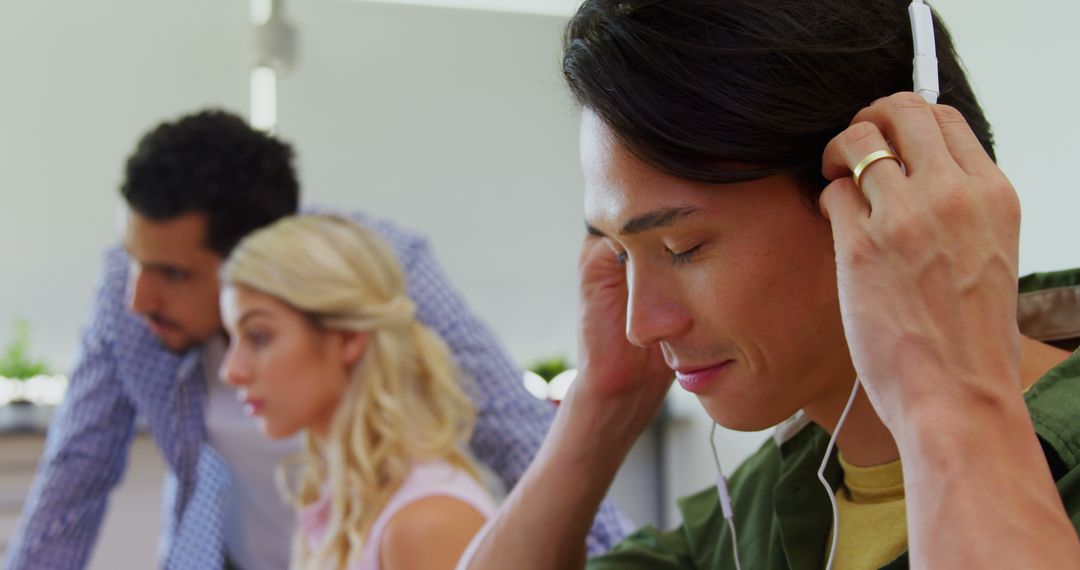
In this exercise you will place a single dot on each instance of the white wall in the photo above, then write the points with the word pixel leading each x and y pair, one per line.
pixel 1021 59
pixel 454 123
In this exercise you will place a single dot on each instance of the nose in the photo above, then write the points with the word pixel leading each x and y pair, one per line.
pixel 653 311
pixel 235 370
pixel 143 298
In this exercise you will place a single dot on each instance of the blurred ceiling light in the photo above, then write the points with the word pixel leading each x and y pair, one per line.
pixel 263 98
pixel 275 42
pixel 260 11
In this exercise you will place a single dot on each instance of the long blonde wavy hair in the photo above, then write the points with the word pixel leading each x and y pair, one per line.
pixel 405 401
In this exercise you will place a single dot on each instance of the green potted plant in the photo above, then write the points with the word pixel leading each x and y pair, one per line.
pixel 549 368
pixel 17 368
pixel 16 364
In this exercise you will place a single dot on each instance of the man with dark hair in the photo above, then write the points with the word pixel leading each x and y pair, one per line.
pixel 194 188
pixel 772 217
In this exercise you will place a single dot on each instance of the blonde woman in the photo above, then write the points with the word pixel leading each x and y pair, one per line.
pixel 324 340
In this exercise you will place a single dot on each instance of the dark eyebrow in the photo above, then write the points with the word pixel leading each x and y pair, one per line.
pixel 167 268
pixel 662 218
pixel 593 231
pixel 157 266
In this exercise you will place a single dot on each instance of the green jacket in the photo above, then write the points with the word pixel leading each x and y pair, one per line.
pixel 784 517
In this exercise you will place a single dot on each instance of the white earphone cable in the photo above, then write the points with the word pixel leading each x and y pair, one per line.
pixel 825 483
pixel 725 498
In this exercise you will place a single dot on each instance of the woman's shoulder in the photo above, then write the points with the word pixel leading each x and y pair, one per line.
pixel 430 517
pixel 442 479
pixel 440 506
pixel 444 525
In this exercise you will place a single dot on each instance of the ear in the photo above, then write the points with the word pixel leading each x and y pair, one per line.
pixel 353 347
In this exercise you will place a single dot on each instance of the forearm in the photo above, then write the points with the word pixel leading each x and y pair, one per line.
pixel 547 517
pixel 67 502
pixel 979 491
pixel 84 457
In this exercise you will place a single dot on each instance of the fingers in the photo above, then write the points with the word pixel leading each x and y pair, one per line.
pixel 598 265
pixel 845 151
pixel 909 124
pixel 963 145
pixel 902 119
pixel 934 142
pixel 593 251
pixel 846 208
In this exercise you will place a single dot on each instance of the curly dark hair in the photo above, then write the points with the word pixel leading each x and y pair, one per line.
pixel 725 91
pixel 212 162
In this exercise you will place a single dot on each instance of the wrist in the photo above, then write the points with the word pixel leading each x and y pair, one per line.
pixel 596 431
pixel 621 407
pixel 951 426
pixel 916 400
pixel 577 463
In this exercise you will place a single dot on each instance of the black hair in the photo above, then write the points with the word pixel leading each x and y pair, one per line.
pixel 726 91
pixel 212 162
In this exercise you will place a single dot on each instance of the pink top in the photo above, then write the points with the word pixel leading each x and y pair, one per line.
pixel 425 480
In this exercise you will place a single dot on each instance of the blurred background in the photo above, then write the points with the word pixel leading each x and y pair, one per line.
pixel 447 116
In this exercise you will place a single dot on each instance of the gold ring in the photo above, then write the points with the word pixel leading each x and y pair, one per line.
pixel 871 159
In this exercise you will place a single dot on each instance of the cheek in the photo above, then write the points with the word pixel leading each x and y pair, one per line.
pixel 775 293
pixel 195 306
pixel 807 278
pixel 206 304
pixel 300 381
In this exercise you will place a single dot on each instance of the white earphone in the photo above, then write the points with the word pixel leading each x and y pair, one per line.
pixel 925 75
pixel 925 80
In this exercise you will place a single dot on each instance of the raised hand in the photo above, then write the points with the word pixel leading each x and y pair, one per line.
pixel 612 367
pixel 926 259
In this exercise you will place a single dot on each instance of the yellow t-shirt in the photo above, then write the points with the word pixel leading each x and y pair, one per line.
pixel 873 519
pixel 873 515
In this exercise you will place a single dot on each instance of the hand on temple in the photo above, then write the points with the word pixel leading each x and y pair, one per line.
pixel 614 369
pixel 926 259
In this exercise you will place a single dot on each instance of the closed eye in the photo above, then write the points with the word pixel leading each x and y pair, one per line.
pixel 683 257
pixel 176 275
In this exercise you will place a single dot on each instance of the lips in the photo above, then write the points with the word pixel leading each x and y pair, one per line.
pixel 698 379
pixel 160 326
pixel 252 406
